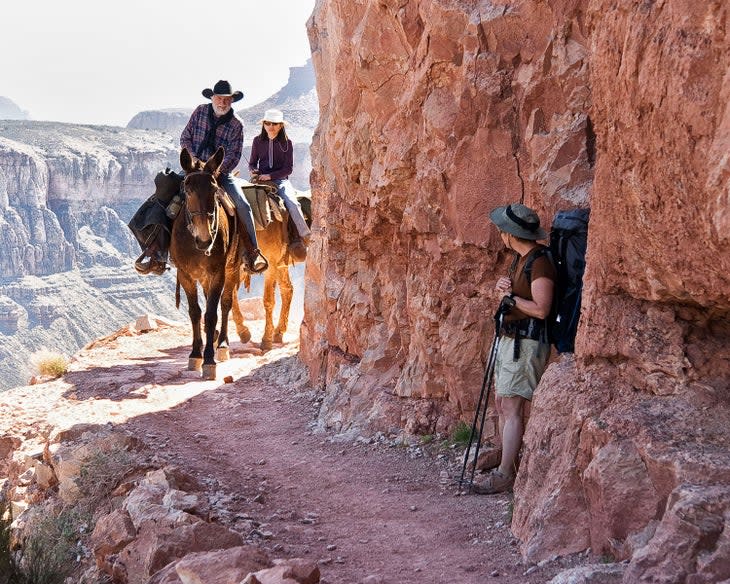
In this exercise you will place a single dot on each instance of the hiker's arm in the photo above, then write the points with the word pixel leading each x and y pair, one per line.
pixel 542 294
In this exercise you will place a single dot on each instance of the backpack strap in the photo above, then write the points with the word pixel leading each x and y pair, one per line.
pixel 534 254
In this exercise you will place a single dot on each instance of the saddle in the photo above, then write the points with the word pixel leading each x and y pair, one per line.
pixel 265 203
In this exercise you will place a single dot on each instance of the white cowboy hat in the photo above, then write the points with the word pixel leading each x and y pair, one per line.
pixel 273 115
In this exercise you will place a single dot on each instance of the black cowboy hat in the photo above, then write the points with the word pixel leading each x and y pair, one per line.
pixel 223 88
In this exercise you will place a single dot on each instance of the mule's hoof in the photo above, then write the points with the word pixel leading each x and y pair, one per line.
pixel 209 372
pixel 244 336
pixel 222 354
pixel 195 363
pixel 266 345
pixel 278 338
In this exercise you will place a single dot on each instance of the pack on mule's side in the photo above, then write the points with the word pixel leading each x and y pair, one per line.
pixel 567 251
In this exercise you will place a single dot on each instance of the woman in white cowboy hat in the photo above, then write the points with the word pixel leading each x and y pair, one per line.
pixel 272 159
pixel 523 351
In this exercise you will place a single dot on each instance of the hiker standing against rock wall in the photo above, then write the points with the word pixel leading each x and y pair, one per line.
pixel 216 124
pixel 272 160
pixel 523 349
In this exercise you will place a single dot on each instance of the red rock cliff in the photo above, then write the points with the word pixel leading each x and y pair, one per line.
pixel 435 111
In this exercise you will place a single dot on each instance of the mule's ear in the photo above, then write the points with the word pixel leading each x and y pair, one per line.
pixel 215 161
pixel 187 162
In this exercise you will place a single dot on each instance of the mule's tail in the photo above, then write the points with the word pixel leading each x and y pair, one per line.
pixel 177 292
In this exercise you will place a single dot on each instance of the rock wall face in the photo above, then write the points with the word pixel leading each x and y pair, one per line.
pixel 640 454
pixel 432 113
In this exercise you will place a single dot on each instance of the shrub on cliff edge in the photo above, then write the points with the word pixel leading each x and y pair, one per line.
pixel 49 363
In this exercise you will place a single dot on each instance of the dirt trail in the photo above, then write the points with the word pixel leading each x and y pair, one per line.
pixel 368 512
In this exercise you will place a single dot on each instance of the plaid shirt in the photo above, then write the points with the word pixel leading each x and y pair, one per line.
pixel 228 135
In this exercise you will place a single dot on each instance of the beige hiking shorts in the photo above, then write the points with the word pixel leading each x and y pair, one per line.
pixel 519 378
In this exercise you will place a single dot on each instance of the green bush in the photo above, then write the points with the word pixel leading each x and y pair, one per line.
pixel 460 435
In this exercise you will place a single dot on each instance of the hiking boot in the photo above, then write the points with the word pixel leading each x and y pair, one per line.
pixel 255 262
pixel 495 482
pixel 297 250
pixel 489 458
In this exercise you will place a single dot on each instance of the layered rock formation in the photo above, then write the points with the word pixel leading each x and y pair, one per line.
pixel 434 112
pixel 171 121
pixel 66 193
pixel 53 179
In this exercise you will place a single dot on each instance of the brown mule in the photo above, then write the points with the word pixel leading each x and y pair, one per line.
pixel 273 242
pixel 206 248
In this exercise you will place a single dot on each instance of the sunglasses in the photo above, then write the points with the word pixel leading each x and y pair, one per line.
pixel 271 123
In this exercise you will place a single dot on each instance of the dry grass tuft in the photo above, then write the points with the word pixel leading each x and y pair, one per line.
pixel 49 363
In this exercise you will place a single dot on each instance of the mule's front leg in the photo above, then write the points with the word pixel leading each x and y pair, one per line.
pixel 223 352
pixel 211 319
pixel 195 359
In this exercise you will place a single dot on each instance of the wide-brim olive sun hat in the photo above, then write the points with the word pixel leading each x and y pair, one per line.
pixel 518 220
pixel 222 88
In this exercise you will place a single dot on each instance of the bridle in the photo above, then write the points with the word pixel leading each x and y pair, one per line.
pixel 213 217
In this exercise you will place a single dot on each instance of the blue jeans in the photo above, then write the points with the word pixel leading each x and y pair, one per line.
pixel 287 193
pixel 232 186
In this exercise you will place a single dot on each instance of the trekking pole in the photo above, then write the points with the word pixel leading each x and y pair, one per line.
pixel 484 395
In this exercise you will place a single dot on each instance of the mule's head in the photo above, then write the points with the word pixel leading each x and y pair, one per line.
pixel 201 189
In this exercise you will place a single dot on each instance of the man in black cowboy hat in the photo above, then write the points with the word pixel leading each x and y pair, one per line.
pixel 523 350
pixel 215 124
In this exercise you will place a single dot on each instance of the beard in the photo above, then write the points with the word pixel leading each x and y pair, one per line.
pixel 221 111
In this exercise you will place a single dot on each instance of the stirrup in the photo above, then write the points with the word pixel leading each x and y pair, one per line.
pixel 153 266
pixel 141 266
pixel 256 262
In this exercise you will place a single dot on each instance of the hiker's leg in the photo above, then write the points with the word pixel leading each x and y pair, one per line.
pixel 287 193
pixel 512 430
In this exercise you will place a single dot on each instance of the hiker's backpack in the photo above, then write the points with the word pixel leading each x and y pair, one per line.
pixel 568 242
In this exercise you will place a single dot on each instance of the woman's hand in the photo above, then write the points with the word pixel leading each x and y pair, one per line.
pixel 503 286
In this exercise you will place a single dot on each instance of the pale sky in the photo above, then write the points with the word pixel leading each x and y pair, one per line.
pixel 98 62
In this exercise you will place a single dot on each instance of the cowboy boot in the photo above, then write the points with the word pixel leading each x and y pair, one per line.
pixel 297 247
